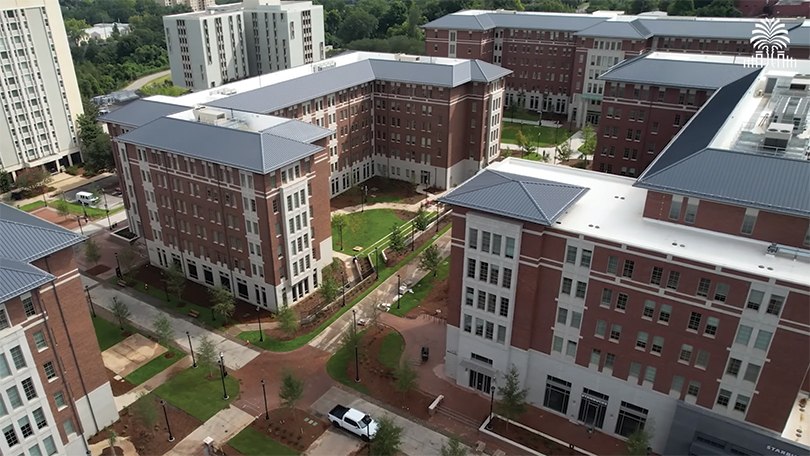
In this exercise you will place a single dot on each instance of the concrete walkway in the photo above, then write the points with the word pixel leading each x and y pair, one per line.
pixel 235 354
pixel 546 123
pixel 329 339
pixel 150 385
pixel 62 182
pixel 575 140
pixel 138 83
pixel 221 427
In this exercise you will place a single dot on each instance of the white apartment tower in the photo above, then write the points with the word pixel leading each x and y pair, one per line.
pixel 38 88
pixel 224 43
pixel 195 5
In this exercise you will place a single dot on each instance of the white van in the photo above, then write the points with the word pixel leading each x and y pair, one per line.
pixel 86 199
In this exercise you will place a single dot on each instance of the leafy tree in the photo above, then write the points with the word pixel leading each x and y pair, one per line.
pixel 551 6
pixel 121 311
pixel 144 410
pixel 374 311
pixel 453 447
pixel 329 289
pixel 6 182
pixel 222 301
pixel 431 259
pixel 357 25
pixel 407 378
pixel 387 440
pixel 681 8
pixel 288 320
pixel 339 223
pixel 33 180
pixel 162 326
pixel 516 108
pixel 175 280
pixel 421 221
pixel 527 146
pixel 207 354
pixel 564 151
pixel 512 403
pixel 126 257
pixel 642 6
pixel 113 438
pixel 75 29
pixel 62 206
pixel 719 8
pixel 291 390
pixel 414 20
pixel 639 441
pixel 397 243
pixel 92 252
pixel 588 142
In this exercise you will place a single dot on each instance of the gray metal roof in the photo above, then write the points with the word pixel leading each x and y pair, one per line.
pixel 800 36
pixel 691 27
pixel 288 93
pixel 630 30
pixel 487 20
pixel 299 131
pixel 516 196
pixel 17 278
pixel 260 152
pixel 141 112
pixel 676 73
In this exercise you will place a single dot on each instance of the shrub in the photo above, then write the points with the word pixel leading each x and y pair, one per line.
pixel 72 170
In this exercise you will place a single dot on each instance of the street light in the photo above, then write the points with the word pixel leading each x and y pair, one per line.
pixel 363 197
pixel 168 426
pixel 190 347
pixel 377 263
pixel 92 308
pixel 259 315
pixel 398 291
pixel 222 375
pixel 343 290
pixel 264 393
pixel 222 361
pixel 356 352
pixel 106 208
pixel 491 405
pixel 165 284
pixel 413 228
pixel 438 216
pixel 79 219
pixel 117 264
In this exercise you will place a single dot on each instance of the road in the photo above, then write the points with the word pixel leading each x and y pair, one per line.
pixel 109 184
pixel 138 83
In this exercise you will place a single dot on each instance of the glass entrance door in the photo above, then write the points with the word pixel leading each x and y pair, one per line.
pixel 480 381
pixel 592 409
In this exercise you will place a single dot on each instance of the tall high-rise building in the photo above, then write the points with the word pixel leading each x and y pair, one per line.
pixel 230 42
pixel 38 88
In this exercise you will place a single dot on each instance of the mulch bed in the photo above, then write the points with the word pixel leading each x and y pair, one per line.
pixel 530 439
pixel 108 451
pixel 384 186
pixel 436 300
pixel 380 380
pixel 574 162
pixel 98 269
pixel 286 427
pixel 119 387
pixel 149 441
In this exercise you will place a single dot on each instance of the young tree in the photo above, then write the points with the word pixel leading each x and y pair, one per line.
pixel 62 206
pixel 397 242
pixel 162 326
pixel 121 311
pixel 350 337
pixel 126 257
pixel 453 447
pixel 33 180
pixel 526 144
pixel 588 142
pixel 374 312
pixel 339 223
pixel 144 410
pixel 512 403
pixel 222 301
pixel 421 221
pixel 6 182
pixel 407 378
pixel 329 289
pixel 431 259
pixel 387 440
pixel 113 438
pixel 175 280
pixel 92 252
pixel 288 320
pixel 291 390
pixel 639 441
pixel 564 151
pixel 207 354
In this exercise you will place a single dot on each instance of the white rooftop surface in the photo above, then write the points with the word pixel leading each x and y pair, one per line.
pixel 237 119
pixel 603 214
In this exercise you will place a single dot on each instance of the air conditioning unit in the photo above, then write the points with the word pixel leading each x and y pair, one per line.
pixel 758 94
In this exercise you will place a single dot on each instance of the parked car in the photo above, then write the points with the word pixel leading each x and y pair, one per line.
pixel 86 199
pixel 354 421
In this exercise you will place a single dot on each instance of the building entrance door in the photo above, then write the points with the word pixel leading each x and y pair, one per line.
pixel 425 177
pixel 480 381
pixel 592 409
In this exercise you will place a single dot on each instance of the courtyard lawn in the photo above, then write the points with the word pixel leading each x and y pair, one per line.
pixel 410 300
pixel 250 442
pixel 510 130
pixel 336 367
pixel 391 349
pixel 523 115
pixel 93 212
pixel 33 206
pixel 108 334
pixel 154 367
pixel 201 398
pixel 364 229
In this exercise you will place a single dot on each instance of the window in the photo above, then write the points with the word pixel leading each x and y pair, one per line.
pixel 677 383
pixel 4 369
pixel 755 299
pixel 742 403
pixel 28 306
pixel 724 397
pixel 596 356
pixel 67 425
pixel 18 358
pixel 582 288
pixel 4 323
pixel 25 427
pixel 510 248
pixel 493 275
pixel 610 360
pixel 471 268
pixel 28 388
pixel 627 271
pixel 743 335
pixel 485 237
pixel 607 297
pixel 39 341
pixel 615 332
pixel 649 374
pixel 703 287
pixel 763 340
pixel 496 244
pixel 14 397
pixel 657 274
pixel 721 292
pixel 691 210
pixel 635 369
pixel 504 308
pixel 693 389
pixel 468 300
pixel 483 272
pixel 672 280
pixel 59 400
pixel 631 419
pixel 686 353
pixel 50 371
pixel 507 278
pixel 775 305
pixel 712 323
pixel 752 372
pixel 702 359
pixel 613 265
pixel 675 208
pixel 733 367
pixel 585 260
pixel 467 323
pixel 571 255
pixel 501 334
pixel 39 418
pixel 566 285
pixel 558 343
pixel 641 340
pixel 621 302
pixel 479 327
pixel 749 221
pixel 482 300
pixel 576 319
pixel 657 345
pixel 571 348
pixel 50 448
pixel 649 309
pixel 490 330
pixel 557 394
pixel 562 315
pixel 694 321
pixel 11 435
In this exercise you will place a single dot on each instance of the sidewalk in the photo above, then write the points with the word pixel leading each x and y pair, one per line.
pixel 221 427
pixel 143 314
pixel 148 386
pixel 62 182
pixel 546 123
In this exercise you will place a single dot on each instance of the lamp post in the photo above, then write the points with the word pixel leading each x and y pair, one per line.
pixel 79 219
pixel 222 375
pixel 438 216
pixel 259 315
pixel 491 405
pixel 356 352
pixel 222 361
pixel 398 291
pixel 106 208
pixel 90 300
pixel 165 285
pixel 377 263
pixel 264 393
pixel 168 426
pixel 413 229
pixel 117 264
pixel 190 347
pixel 343 290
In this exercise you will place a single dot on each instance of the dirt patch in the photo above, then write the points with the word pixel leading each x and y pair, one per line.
pixel 435 303
pixel 530 439
pixel 405 191
pixel 98 269
pixel 119 387
pixel 109 451
pixel 380 379
pixel 155 439
pixel 296 429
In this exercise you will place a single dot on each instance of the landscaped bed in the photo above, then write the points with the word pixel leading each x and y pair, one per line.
pixel 119 387
pixel 530 439
pixel 411 303
pixel 294 429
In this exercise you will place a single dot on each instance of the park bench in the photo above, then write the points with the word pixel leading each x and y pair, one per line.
pixel 480 446
pixel 435 405
pixel 122 283
pixel 193 313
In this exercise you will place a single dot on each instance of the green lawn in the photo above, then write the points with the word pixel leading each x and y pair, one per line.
pixel 391 349
pixel 337 364
pixel 252 442
pixel 154 367
pixel 108 334
pixel 290 345
pixel 523 115
pixel 410 300
pixel 383 199
pixel 32 206
pixel 364 229
pixel 92 211
pixel 510 130
pixel 201 398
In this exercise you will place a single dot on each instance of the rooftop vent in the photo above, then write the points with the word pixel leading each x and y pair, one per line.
pixel 209 116
pixel 788 252
pixel 408 58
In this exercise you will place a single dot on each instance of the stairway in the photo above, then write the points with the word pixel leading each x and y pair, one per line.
pixel 456 416
pixel 365 267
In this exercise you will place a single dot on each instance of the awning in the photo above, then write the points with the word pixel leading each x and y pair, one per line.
pixel 478 367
